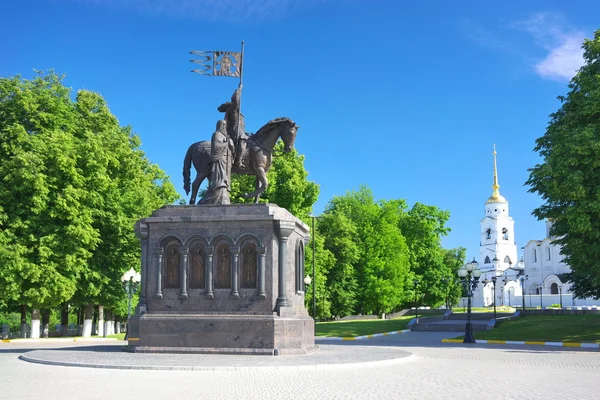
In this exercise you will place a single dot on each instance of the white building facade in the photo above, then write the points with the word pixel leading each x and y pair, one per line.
pixel 535 280
pixel 497 251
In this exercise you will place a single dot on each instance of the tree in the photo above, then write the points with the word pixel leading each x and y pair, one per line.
pixel 46 229
pixel 72 184
pixel 379 272
pixel 423 227
pixel 454 259
pixel 568 179
pixel 342 285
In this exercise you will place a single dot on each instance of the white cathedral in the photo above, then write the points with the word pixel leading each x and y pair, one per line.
pixel 535 276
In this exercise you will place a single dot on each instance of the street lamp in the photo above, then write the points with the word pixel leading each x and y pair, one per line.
pixel 493 281
pixel 541 289
pixel 130 280
pixel 560 292
pixel 445 281
pixel 523 279
pixel 307 282
pixel 505 281
pixel 415 283
pixel 314 279
pixel 469 277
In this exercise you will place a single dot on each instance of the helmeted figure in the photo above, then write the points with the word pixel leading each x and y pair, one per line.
pixel 234 120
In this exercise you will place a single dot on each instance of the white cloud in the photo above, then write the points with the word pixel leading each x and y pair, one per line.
pixel 231 10
pixel 562 42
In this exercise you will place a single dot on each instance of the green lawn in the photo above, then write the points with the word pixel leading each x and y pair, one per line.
pixel 119 336
pixel 548 328
pixel 362 327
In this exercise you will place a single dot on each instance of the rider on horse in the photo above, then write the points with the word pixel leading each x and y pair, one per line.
pixel 235 119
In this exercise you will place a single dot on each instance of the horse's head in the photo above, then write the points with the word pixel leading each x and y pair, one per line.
pixel 288 135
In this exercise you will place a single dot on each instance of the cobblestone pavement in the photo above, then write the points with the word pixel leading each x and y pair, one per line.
pixel 437 371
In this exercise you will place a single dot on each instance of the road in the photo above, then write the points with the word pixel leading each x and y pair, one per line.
pixel 436 371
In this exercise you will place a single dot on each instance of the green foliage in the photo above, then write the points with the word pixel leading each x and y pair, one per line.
pixel 378 248
pixel 288 184
pixel 432 266
pixel 568 179
pixel 72 184
pixel 370 253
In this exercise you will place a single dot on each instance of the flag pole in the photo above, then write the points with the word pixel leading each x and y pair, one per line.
pixel 241 66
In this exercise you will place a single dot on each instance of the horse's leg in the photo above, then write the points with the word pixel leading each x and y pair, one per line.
pixel 195 187
pixel 261 177
pixel 256 189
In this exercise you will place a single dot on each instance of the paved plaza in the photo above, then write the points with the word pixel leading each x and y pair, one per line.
pixel 414 365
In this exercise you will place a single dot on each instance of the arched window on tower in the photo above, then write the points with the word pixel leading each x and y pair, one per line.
pixel 504 233
pixel 487 260
pixel 549 253
pixel 507 260
pixel 534 255
pixel 488 233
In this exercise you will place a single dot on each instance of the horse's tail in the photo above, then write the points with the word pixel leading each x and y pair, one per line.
pixel 187 166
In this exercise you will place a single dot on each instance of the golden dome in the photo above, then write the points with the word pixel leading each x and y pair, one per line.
pixel 496 198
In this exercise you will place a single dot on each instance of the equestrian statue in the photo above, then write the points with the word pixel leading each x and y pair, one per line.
pixel 231 150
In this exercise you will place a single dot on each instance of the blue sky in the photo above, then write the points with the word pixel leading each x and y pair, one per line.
pixel 406 98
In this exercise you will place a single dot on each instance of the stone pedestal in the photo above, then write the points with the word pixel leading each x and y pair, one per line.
pixel 222 279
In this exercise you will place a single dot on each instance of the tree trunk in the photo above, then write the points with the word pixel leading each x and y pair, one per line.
pixel 95 322
pixel 110 323
pixel 45 321
pixel 35 323
pixel 101 321
pixel 64 319
pixel 80 316
pixel 23 321
pixel 87 320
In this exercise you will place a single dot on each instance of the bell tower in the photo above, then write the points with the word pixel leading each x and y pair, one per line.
pixel 497 246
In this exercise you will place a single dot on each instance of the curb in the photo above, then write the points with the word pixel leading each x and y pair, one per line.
pixel 520 342
pixel 374 335
pixel 55 340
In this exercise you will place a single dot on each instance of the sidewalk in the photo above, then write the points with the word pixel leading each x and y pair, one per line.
pixel 56 340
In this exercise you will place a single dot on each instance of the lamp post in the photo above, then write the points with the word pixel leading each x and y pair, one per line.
pixel 505 281
pixel 130 280
pixel 560 293
pixel 493 281
pixel 445 281
pixel 307 282
pixel 469 277
pixel 523 279
pixel 541 288
pixel 415 283
pixel 314 279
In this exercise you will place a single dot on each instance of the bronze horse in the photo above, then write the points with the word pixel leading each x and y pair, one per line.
pixel 257 158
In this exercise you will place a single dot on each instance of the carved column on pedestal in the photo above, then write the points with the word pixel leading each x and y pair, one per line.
pixel 209 273
pixel 183 253
pixel 158 253
pixel 142 232
pixel 262 252
pixel 283 229
pixel 235 271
